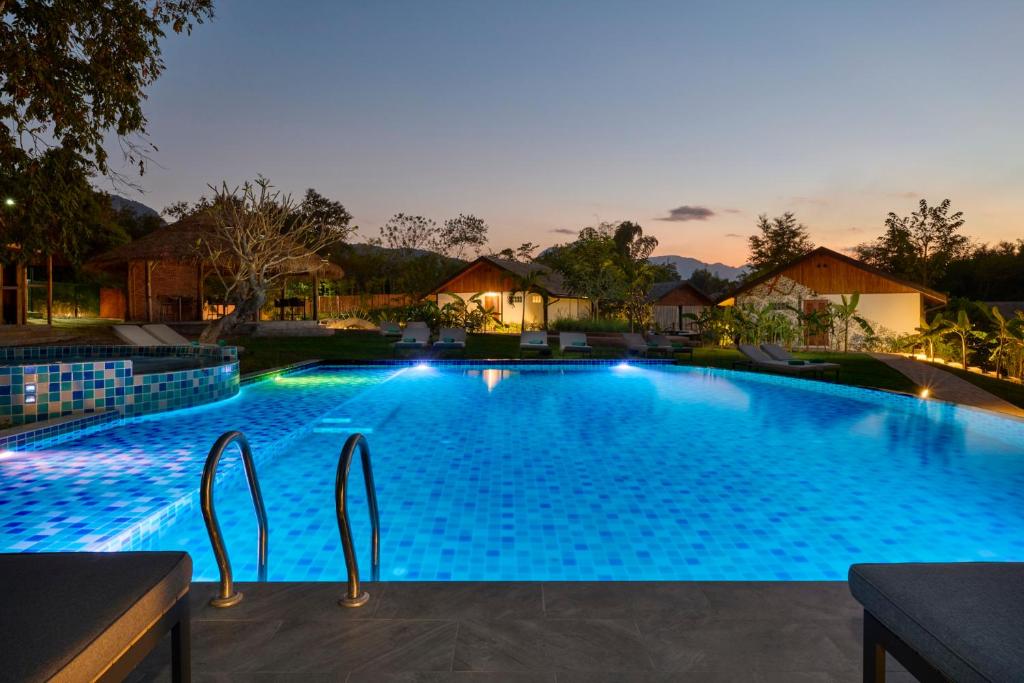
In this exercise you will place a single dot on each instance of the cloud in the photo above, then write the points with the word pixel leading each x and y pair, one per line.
pixel 809 201
pixel 905 195
pixel 734 234
pixel 731 211
pixel 688 213
pixel 563 231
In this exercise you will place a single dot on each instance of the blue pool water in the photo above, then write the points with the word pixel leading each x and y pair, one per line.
pixel 548 473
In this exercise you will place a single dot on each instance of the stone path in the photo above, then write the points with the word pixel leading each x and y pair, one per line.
pixel 560 632
pixel 946 386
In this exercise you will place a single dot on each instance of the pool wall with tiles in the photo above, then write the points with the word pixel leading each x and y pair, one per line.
pixel 42 383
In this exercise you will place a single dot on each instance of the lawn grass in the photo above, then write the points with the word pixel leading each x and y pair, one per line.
pixel 262 353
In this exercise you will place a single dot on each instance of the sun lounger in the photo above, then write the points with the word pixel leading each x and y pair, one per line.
pixel 450 339
pixel 661 343
pixel 776 352
pixel 637 345
pixel 416 325
pixel 413 339
pixel 534 341
pixel 390 329
pixel 136 336
pixel 166 335
pixel 943 622
pixel 574 342
pixel 91 616
pixel 759 360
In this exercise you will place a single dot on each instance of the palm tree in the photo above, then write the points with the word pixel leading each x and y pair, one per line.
pixel 929 333
pixel 846 313
pixel 963 328
pixel 524 284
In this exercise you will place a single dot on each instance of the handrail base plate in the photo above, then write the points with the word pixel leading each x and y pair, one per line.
pixel 229 601
pixel 357 601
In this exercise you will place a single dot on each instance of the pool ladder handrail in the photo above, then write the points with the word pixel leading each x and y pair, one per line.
pixel 354 596
pixel 227 595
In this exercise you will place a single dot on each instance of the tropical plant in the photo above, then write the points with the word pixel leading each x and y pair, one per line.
pixel 963 328
pixel 470 314
pixel 929 333
pixel 1001 336
pixel 845 315
pixel 523 285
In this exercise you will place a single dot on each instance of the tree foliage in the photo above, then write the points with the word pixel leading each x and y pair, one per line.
pixel 462 236
pixel 920 246
pixel 709 283
pixel 782 239
pixel 257 235
pixel 73 72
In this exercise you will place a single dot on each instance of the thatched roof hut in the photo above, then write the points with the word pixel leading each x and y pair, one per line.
pixel 165 270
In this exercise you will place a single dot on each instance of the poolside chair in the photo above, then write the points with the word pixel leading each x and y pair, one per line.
pixel 390 329
pixel 942 621
pixel 534 341
pixel 776 352
pixel 661 344
pixel 451 339
pixel 759 360
pixel 416 325
pixel 414 339
pixel 637 345
pixel 134 335
pixel 166 335
pixel 574 342
pixel 92 616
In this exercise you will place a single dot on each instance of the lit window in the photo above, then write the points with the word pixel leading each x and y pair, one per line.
pixel 536 298
pixel 517 298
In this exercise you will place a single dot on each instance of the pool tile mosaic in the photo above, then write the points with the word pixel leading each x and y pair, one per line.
pixel 628 472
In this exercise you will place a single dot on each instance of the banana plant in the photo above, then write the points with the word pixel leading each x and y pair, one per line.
pixel 962 328
pixel 845 314
pixel 930 332
pixel 1001 336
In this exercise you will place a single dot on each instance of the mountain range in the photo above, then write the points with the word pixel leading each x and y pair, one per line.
pixel 119 203
pixel 686 265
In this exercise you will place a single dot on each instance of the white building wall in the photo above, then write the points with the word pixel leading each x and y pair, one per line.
pixel 889 314
pixel 511 312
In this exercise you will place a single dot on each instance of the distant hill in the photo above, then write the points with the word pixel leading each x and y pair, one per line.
pixel 686 265
pixel 137 208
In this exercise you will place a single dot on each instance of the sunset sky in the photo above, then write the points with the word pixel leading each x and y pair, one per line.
pixel 543 117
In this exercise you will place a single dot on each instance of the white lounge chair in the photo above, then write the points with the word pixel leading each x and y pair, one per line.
pixel 636 344
pixel 534 341
pixel 134 335
pixel 390 329
pixel 450 339
pixel 776 352
pixel 166 335
pixel 574 342
pixel 756 358
pixel 413 339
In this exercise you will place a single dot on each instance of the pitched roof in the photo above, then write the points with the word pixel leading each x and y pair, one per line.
pixel 659 290
pixel 549 280
pixel 178 242
pixel 928 293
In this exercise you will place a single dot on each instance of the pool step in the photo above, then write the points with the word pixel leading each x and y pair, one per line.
pixel 342 430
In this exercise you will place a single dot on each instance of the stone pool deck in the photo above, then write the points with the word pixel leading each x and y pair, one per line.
pixel 711 632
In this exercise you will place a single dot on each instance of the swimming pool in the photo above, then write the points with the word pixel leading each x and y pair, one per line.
pixel 547 472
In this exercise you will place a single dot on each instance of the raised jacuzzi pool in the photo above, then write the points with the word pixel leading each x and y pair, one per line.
pixel 45 382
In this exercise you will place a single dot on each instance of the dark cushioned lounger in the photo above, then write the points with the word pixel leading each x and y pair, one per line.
pixel 961 622
pixel 89 616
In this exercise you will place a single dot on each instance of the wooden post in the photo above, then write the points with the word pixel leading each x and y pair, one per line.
pixel 316 297
pixel 2 293
pixel 128 294
pixel 149 292
pixel 49 290
pixel 23 304
pixel 199 292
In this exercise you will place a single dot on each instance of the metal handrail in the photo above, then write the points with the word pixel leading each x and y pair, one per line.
pixel 227 596
pixel 354 597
